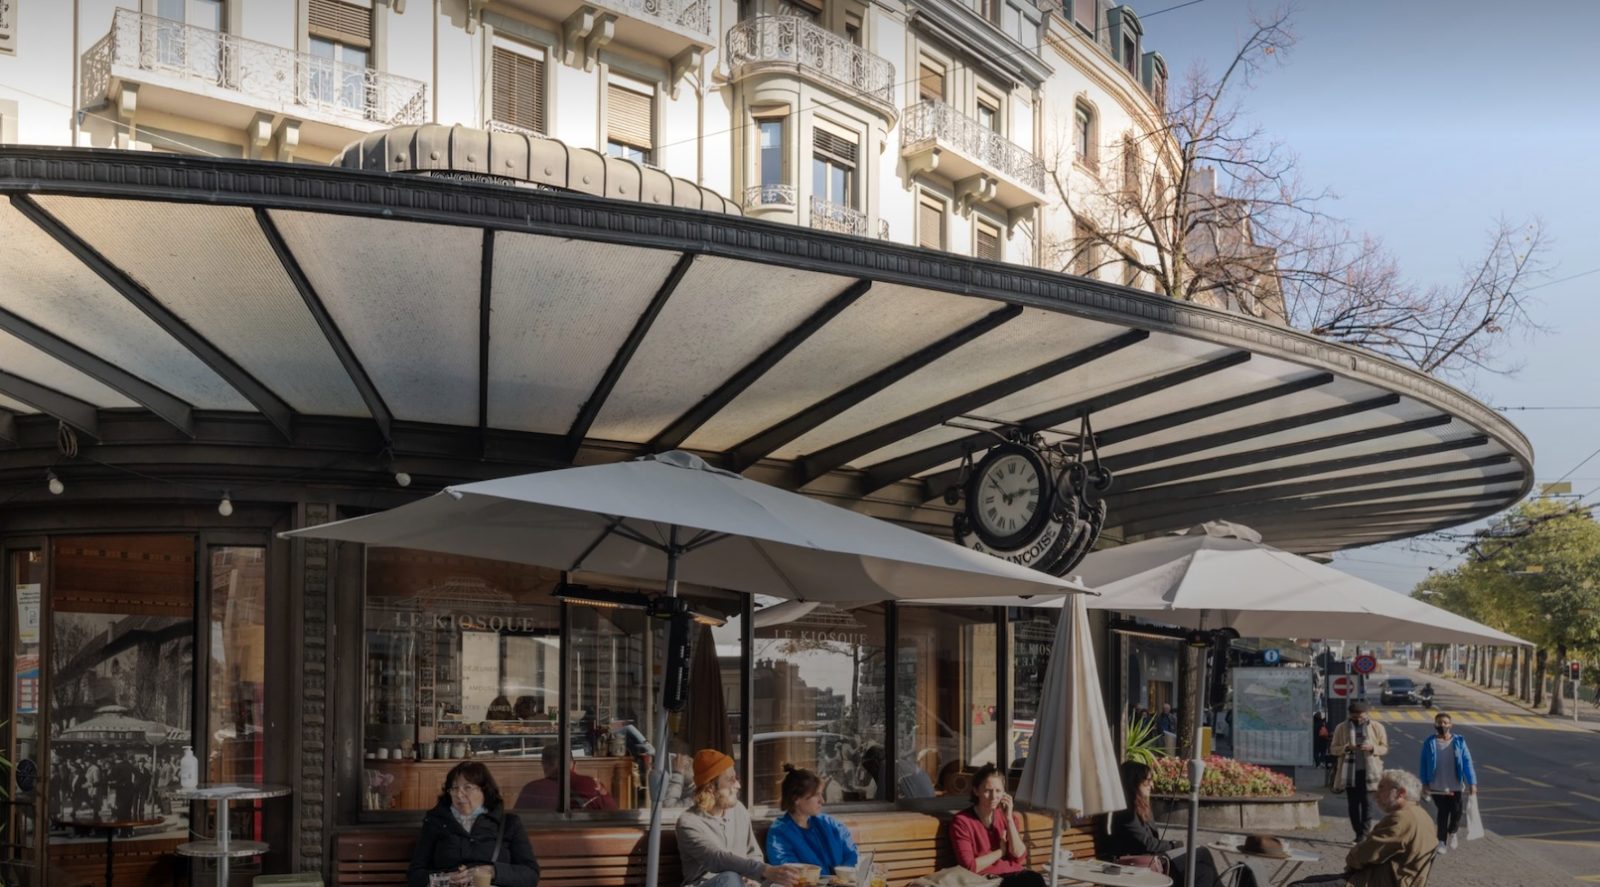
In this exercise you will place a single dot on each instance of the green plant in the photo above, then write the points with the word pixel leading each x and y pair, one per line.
pixel 1143 742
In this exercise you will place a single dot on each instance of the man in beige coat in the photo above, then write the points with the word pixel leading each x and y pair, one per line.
pixel 1401 844
pixel 1359 745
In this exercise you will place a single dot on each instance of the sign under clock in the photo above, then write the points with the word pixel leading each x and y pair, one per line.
pixel 1012 510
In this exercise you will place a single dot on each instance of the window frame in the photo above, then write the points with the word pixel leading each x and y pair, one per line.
pixel 621 147
pixel 927 200
pixel 530 52
pixel 982 224
pixel 1086 136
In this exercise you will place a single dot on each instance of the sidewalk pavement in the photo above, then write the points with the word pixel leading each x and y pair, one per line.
pixel 1588 713
pixel 1491 861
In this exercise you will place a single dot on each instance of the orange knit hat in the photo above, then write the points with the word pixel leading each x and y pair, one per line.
pixel 709 764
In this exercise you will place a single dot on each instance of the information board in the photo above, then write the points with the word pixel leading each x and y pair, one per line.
pixel 1272 715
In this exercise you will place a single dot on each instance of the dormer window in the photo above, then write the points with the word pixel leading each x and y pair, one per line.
pixel 1130 54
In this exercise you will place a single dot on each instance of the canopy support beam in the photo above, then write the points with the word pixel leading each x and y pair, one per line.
pixel 174 411
pixel 760 446
pixel 619 363
pixel 1144 427
pixel 271 405
pixel 8 427
pixel 330 329
pixel 485 317
pixel 824 461
pixel 79 414
pixel 886 473
pixel 687 424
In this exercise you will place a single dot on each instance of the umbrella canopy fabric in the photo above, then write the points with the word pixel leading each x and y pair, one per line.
pixel 740 534
pixel 1221 576
pixel 1072 761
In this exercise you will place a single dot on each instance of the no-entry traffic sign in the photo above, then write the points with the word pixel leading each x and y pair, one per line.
pixel 1341 686
pixel 1366 663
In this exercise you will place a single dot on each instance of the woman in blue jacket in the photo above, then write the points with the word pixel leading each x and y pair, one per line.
pixel 805 834
pixel 1448 773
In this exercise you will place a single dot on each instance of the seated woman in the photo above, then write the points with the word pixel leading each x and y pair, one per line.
pixel 470 829
pixel 1133 834
pixel 804 833
pixel 987 837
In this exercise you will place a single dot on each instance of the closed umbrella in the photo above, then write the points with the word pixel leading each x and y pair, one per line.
pixel 708 711
pixel 1072 762
pixel 671 515
pixel 1220 575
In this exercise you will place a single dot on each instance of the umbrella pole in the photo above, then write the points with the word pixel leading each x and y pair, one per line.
pixel 658 770
pixel 1055 851
pixel 1197 766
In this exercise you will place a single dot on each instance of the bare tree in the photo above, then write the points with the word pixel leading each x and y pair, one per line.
pixel 1200 205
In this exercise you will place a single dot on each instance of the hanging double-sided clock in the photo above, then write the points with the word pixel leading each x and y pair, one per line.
pixel 1013 508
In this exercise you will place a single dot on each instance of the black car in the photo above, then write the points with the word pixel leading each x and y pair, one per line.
pixel 1399 691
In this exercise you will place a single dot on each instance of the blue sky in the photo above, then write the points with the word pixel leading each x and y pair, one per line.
pixel 1430 119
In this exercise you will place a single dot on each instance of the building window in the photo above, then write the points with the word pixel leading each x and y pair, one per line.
pixel 771 157
pixel 519 88
pixel 630 121
pixel 930 222
pixel 1083 12
pixel 1130 54
pixel 930 82
pixel 947 693
pixel 341 46
pixel 189 38
pixel 853 28
pixel 833 167
pixel 1083 134
pixel 810 10
pixel 986 240
pixel 989 113
pixel 1085 249
pixel 1033 634
pixel 990 9
pixel 1131 275
pixel 1130 166
pixel 819 698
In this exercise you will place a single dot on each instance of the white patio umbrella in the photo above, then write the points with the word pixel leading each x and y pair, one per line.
pixel 1072 760
pixel 673 516
pixel 1220 575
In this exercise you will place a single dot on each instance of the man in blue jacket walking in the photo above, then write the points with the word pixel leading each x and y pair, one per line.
pixel 1447 771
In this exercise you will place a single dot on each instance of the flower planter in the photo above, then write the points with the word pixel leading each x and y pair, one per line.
pixel 1242 815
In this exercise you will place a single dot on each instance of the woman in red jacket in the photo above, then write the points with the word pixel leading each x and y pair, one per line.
pixel 987 836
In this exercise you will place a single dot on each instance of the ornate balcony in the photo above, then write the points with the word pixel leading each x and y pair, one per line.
pixel 984 165
pixel 171 55
pixel 678 30
pixel 837 217
pixel 769 195
pixel 769 43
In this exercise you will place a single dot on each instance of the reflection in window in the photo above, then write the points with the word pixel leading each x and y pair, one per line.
pixel 1033 632
pixel 819 699
pixel 26 584
pixel 463 659
pixel 236 679
pixel 945 681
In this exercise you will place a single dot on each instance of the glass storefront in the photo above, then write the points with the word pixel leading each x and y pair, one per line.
pixel 946 690
pixel 1033 634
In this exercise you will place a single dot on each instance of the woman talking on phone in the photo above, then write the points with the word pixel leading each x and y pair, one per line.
pixel 987 837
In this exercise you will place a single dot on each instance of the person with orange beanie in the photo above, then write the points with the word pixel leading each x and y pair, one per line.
pixel 716 842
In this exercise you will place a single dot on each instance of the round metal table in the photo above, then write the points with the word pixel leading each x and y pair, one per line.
pixel 1111 875
pixel 222 849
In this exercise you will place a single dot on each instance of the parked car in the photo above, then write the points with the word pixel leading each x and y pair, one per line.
pixel 1399 691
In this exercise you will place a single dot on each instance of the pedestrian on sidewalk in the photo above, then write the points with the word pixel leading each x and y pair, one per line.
pixel 1448 773
pixel 1360 745
pixel 1396 853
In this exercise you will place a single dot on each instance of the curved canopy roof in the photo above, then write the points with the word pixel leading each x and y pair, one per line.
pixel 563 327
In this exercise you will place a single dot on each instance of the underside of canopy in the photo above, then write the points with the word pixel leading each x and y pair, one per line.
pixel 156 304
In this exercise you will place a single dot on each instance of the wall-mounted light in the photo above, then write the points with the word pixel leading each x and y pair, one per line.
pixel 54 483
pixel 225 507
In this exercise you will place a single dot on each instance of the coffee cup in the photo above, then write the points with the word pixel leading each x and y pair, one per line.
pixel 483 876
pixel 809 875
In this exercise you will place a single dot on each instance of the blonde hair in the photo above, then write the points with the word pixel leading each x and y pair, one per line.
pixel 705 797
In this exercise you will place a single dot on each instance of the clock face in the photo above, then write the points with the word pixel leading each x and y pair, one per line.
pixel 1007 498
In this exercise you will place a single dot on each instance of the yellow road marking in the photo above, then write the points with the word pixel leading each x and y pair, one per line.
pixel 1570 831
pixel 1491 768
pixel 1531 782
pixel 1578 794
pixel 1523 806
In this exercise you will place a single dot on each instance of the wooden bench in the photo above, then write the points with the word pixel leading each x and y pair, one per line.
pixel 905 843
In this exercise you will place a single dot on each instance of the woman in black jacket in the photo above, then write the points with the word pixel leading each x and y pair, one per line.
pixel 470 829
pixel 1133 833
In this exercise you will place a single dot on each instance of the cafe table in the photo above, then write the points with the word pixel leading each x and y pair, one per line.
pixel 1110 874
pixel 110 827
pixel 1288 866
pixel 223 849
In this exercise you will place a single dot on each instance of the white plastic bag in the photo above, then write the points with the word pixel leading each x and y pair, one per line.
pixel 1474 821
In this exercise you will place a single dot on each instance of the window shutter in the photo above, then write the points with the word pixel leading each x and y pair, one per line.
pixel 834 147
pixel 341 22
pixel 628 117
pixel 930 225
pixel 930 83
pixel 988 245
pixel 518 89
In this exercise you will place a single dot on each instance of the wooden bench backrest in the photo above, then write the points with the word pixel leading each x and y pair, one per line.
pixel 906 844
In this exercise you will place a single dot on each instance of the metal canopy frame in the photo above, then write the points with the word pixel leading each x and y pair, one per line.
pixel 1143 497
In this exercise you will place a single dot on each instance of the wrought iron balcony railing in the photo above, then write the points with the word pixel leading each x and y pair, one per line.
pixel 693 15
pixel 787 38
pixel 769 195
pixel 930 121
pixel 261 71
pixel 837 217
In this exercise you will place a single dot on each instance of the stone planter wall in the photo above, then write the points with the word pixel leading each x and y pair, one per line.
pixel 1242 815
